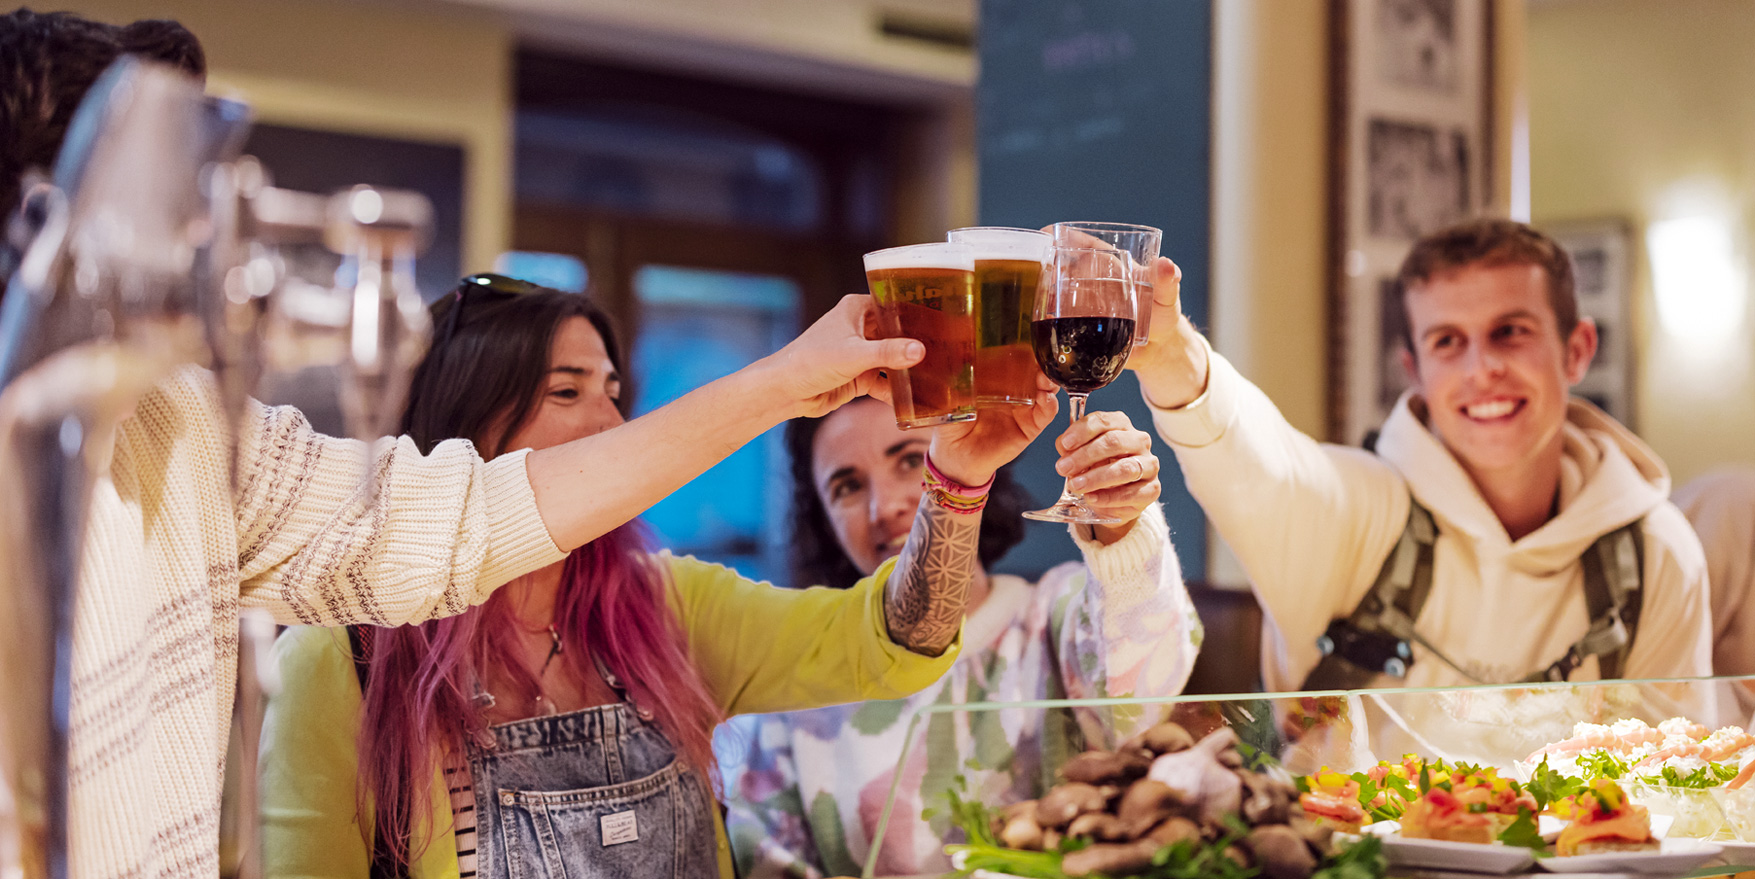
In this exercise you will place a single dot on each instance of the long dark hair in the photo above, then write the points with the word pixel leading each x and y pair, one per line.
pixel 497 347
pixel 819 560
pixel 482 381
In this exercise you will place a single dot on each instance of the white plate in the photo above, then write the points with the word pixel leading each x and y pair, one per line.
pixel 1673 858
pixel 1408 873
pixel 1461 857
pixel 1736 853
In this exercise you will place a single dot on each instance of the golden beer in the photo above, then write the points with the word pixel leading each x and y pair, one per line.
pixel 1008 267
pixel 926 292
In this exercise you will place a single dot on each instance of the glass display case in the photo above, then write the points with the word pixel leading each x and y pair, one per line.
pixel 1676 749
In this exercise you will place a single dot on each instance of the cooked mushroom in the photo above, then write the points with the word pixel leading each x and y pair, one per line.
pixel 1280 852
pixel 1239 856
pixel 1065 802
pixel 1263 801
pixel 1019 828
pixel 1104 767
pixel 1167 738
pixel 1171 831
pixel 1147 803
pixel 1110 859
pixel 1100 826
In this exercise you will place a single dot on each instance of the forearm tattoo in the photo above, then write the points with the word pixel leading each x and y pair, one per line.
pixel 929 589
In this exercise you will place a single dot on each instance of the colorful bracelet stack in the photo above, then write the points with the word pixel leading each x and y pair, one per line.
pixel 954 496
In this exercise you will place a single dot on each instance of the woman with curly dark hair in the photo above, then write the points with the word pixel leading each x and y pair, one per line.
pixel 804 789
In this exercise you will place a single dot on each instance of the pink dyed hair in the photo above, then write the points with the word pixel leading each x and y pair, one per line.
pixel 418 695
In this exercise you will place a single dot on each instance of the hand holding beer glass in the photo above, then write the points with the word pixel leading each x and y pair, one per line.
pixel 1082 328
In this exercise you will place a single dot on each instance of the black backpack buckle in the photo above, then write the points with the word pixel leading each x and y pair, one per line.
pixel 1373 650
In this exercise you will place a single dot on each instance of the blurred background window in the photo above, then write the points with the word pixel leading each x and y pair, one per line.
pixel 556 270
pixel 654 162
pixel 696 326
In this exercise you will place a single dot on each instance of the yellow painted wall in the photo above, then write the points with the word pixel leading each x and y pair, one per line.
pixel 430 73
pixel 1630 100
pixel 1269 239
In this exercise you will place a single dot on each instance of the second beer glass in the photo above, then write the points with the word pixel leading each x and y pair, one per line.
pixel 1009 264
pixel 926 292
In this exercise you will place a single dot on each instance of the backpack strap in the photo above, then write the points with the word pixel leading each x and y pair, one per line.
pixel 359 640
pixel 1376 638
pixel 1614 595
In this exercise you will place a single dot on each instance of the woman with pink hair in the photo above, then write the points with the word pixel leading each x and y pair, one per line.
pixel 566 724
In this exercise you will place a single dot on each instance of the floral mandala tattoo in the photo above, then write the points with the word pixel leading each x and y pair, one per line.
pixel 929 589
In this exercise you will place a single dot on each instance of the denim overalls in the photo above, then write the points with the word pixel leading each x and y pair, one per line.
pixel 590 794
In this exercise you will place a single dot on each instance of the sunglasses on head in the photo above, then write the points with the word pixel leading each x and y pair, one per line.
pixel 475 287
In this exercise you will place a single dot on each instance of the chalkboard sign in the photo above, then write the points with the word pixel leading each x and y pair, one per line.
pixel 1099 110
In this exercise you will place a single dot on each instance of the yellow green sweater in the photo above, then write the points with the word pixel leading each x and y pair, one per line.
pixel 760 649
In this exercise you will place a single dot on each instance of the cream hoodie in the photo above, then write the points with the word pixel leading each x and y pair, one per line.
pixel 1312 524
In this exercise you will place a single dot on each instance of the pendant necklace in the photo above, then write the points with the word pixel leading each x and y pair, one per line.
pixel 543 702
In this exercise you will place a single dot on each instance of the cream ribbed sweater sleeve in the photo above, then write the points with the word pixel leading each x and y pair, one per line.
pixel 1310 522
pixel 1122 624
pixel 433 535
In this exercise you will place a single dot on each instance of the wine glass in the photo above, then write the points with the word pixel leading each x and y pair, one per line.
pixel 1081 330
pixel 1140 243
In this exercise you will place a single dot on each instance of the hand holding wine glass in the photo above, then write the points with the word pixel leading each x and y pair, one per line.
pixel 1082 330
pixel 1172 368
pixel 1110 463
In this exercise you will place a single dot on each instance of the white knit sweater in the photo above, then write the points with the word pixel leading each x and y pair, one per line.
pixel 172 553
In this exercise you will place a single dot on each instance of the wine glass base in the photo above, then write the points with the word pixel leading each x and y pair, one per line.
pixel 1072 512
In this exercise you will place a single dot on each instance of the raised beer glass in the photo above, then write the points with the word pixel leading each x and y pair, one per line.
pixel 1009 264
pixel 1140 243
pixel 1082 330
pixel 926 292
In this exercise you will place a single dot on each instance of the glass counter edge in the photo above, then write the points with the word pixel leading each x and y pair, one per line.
pixel 1105 701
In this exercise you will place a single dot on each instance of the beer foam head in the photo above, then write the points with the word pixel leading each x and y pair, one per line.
pixel 938 255
pixel 1004 242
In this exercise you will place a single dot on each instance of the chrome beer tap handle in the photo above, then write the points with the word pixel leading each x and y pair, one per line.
pixel 378 232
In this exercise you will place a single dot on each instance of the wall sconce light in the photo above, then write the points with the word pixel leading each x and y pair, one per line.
pixel 1697 278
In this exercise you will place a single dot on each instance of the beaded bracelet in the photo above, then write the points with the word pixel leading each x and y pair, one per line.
pixel 954 496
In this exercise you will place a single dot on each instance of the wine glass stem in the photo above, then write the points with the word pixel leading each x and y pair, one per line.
pixel 1077 407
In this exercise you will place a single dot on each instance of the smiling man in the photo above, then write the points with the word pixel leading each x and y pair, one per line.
pixel 1501 531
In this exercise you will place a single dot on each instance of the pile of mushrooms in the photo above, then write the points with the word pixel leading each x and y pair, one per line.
pixel 1162 788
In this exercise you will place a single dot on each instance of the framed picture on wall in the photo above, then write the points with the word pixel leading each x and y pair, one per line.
pixel 1410 141
pixel 1602 273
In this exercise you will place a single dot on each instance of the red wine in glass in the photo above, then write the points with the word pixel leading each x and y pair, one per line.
pixel 1082 354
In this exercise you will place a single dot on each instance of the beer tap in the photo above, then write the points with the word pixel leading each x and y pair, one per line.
pixel 99 310
pixel 159 246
